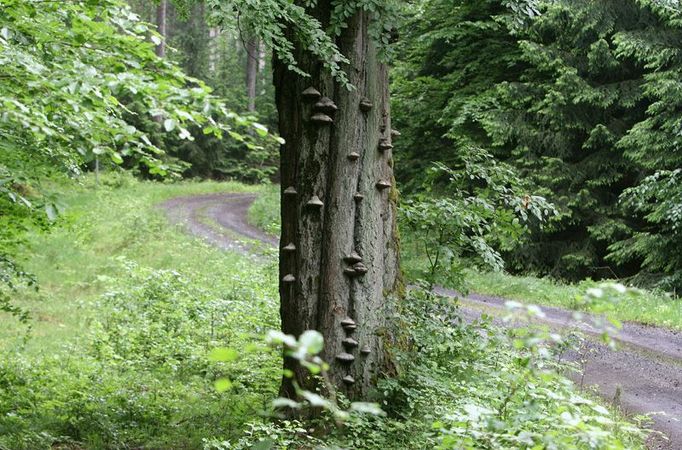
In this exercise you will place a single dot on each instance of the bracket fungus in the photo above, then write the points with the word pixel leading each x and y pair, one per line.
pixel 311 94
pixel 289 248
pixel 349 379
pixel 384 145
pixel 350 272
pixel 349 343
pixel 365 350
pixel 381 185
pixel 396 133
pixel 345 358
pixel 347 321
pixel 358 197
pixel 348 324
pixel 325 105
pixel 360 268
pixel 353 258
pixel 315 202
pixel 289 278
pixel 354 156
pixel 365 105
pixel 290 191
pixel 322 119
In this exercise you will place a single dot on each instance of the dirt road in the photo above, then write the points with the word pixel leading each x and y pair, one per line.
pixel 645 370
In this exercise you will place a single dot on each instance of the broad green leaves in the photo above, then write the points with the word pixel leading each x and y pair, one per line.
pixel 479 208
pixel 69 72
pixel 305 350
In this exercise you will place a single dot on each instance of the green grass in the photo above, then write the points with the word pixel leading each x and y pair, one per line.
pixel 647 307
pixel 264 213
pixel 99 228
pixel 652 308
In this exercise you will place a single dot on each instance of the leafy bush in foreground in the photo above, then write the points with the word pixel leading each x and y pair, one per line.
pixel 462 386
pixel 144 376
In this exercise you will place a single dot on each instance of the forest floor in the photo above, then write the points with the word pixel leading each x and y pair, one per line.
pixel 643 375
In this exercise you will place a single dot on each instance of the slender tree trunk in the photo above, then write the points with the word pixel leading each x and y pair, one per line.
pixel 252 55
pixel 261 58
pixel 347 165
pixel 161 10
pixel 161 13
pixel 213 35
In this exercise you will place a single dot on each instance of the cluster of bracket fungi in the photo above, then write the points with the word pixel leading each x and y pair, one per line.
pixel 350 344
pixel 323 111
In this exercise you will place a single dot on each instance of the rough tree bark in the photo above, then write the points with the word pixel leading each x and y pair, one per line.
pixel 339 256
pixel 161 10
pixel 252 55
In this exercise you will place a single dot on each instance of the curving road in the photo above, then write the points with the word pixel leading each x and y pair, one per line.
pixel 644 374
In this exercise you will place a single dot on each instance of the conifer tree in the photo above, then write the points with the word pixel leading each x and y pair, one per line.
pixel 553 96
pixel 655 143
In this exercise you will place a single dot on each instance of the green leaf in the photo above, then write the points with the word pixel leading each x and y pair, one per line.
pixel 367 408
pixel 261 129
pixel 236 136
pixel 223 384
pixel 285 403
pixel 223 354
pixel 312 341
pixel 169 124
pixel 51 211
pixel 315 400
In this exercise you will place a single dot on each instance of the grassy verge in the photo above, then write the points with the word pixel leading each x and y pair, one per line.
pixel 130 309
pixel 264 213
pixel 99 228
pixel 647 307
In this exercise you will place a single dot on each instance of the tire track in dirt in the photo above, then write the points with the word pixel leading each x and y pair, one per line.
pixel 643 375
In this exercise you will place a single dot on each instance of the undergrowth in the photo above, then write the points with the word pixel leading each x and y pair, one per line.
pixel 264 213
pixel 462 386
pixel 649 307
pixel 127 311
pixel 130 309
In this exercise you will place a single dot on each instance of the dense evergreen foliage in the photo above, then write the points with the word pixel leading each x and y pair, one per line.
pixel 581 101
pixel 654 145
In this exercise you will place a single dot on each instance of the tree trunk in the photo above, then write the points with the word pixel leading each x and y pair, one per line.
pixel 213 36
pixel 252 55
pixel 347 164
pixel 161 27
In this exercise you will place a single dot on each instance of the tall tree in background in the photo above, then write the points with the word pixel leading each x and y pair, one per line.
pixel 339 257
pixel 655 144
pixel 560 123
pixel 161 15
pixel 252 60
pixel 553 97
pixel 453 52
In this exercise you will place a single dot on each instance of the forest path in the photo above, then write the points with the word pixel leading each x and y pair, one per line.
pixel 645 371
